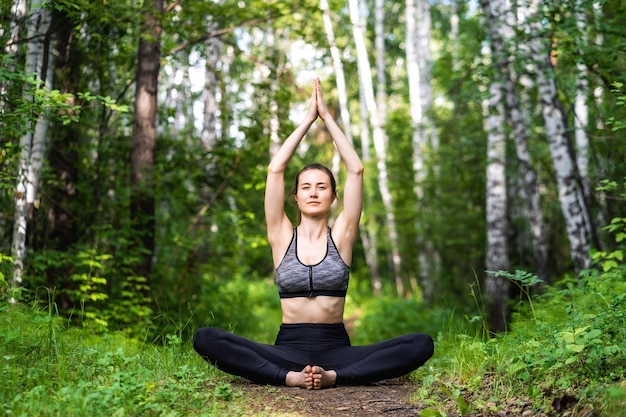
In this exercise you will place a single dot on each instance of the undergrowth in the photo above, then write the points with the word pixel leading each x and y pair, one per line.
pixel 51 369
pixel 563 354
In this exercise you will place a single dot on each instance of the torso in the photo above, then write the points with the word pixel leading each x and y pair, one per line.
pixel 320 309
pixel 312 279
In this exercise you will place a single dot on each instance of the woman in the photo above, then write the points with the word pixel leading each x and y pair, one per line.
pixel 312 261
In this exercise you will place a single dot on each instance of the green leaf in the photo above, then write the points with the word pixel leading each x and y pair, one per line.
pixel 429 412
pixel 575 348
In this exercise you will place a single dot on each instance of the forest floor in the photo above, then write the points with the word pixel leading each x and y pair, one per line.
pixel 387 398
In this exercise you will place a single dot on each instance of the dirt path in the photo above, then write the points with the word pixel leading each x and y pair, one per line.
pixel 386 398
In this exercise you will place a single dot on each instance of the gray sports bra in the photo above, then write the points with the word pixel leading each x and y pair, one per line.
pixel 329 277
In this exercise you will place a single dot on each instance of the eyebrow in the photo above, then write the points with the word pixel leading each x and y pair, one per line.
pixel 317 183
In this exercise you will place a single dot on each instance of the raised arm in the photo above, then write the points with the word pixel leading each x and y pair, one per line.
pixel 346 225
pixel 279 228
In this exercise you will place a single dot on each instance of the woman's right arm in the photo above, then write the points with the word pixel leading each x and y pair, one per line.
pixel 279 228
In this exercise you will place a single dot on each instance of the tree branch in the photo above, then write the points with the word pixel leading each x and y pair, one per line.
pixel 215 34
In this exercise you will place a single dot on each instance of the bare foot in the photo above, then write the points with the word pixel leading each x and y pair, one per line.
pixel 303 379
pixel 322 378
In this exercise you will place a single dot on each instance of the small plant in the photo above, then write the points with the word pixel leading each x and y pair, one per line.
pixel 524 281
pixel 4 260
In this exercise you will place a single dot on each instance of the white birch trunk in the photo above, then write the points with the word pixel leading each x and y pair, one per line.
pixel 454 34
pixel 381 67
pixel 520 127
pixel 38 62
pixel 497 258
pixel 368 234
pixel 18 11
pixel 274 124
pixel 581 110
pixel 370 252
pixel 418 58
pixel 365 77
pixel 571 195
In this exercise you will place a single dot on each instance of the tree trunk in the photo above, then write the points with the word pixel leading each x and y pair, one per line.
pixel 365 77
pixel 420 96
pixel 571 196
pixel 519 130
pixel 381 66
pixel 142 209
pixel 18 12
pixel 33 143
pixel 581 110
pixel 366 239
pixel 496 257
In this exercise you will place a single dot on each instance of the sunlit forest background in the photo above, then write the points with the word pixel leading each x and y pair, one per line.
pixel 134 142
pixel 135 139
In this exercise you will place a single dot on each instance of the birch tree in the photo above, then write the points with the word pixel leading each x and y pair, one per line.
pixel 368 238
pixel 418 58
pixel 379 138
pixel 496 256
pixel 33 142
pixel 571 195
pixel 581 110
pixel 18 13
pixel 520 128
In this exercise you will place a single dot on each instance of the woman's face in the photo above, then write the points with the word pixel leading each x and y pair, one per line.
pixel 314 194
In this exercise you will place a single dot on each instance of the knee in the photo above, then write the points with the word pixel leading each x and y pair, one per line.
pixel 425 346
pixel 204 339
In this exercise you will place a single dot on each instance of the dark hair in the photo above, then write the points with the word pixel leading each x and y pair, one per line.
pixel 320 167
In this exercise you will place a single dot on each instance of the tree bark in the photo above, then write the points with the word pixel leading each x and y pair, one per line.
pixel 367 239
pixel 365 77
pixel 33 143
pixel 581 110
pixel 142 206
pixel 496 257
pixel 418 59
pixel 571 195
pixel 520 128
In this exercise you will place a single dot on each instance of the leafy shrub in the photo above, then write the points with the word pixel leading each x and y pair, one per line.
pixel 387 317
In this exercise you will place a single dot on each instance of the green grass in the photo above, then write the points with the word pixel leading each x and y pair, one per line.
pixel 51 371
pixel 569 348
pixel 566 353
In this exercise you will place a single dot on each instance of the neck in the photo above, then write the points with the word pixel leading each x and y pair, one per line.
pixel 311 229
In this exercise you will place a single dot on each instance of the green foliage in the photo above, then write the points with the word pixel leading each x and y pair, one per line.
pixel 571 343
pixel 81 374
pixel 26 99
pixel 6 263
pixel 524 280
pixel 617 123
pixel 387 316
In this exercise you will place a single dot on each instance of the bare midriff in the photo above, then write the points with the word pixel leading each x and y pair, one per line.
pixel 319 309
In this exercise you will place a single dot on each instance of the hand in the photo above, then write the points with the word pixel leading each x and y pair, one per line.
pixel 322 109
pixel 311 113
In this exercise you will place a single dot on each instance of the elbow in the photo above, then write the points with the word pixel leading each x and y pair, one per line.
pixel 358 169
pixel 273 168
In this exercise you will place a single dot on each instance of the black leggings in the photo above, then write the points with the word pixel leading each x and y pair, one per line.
pixel 325 345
